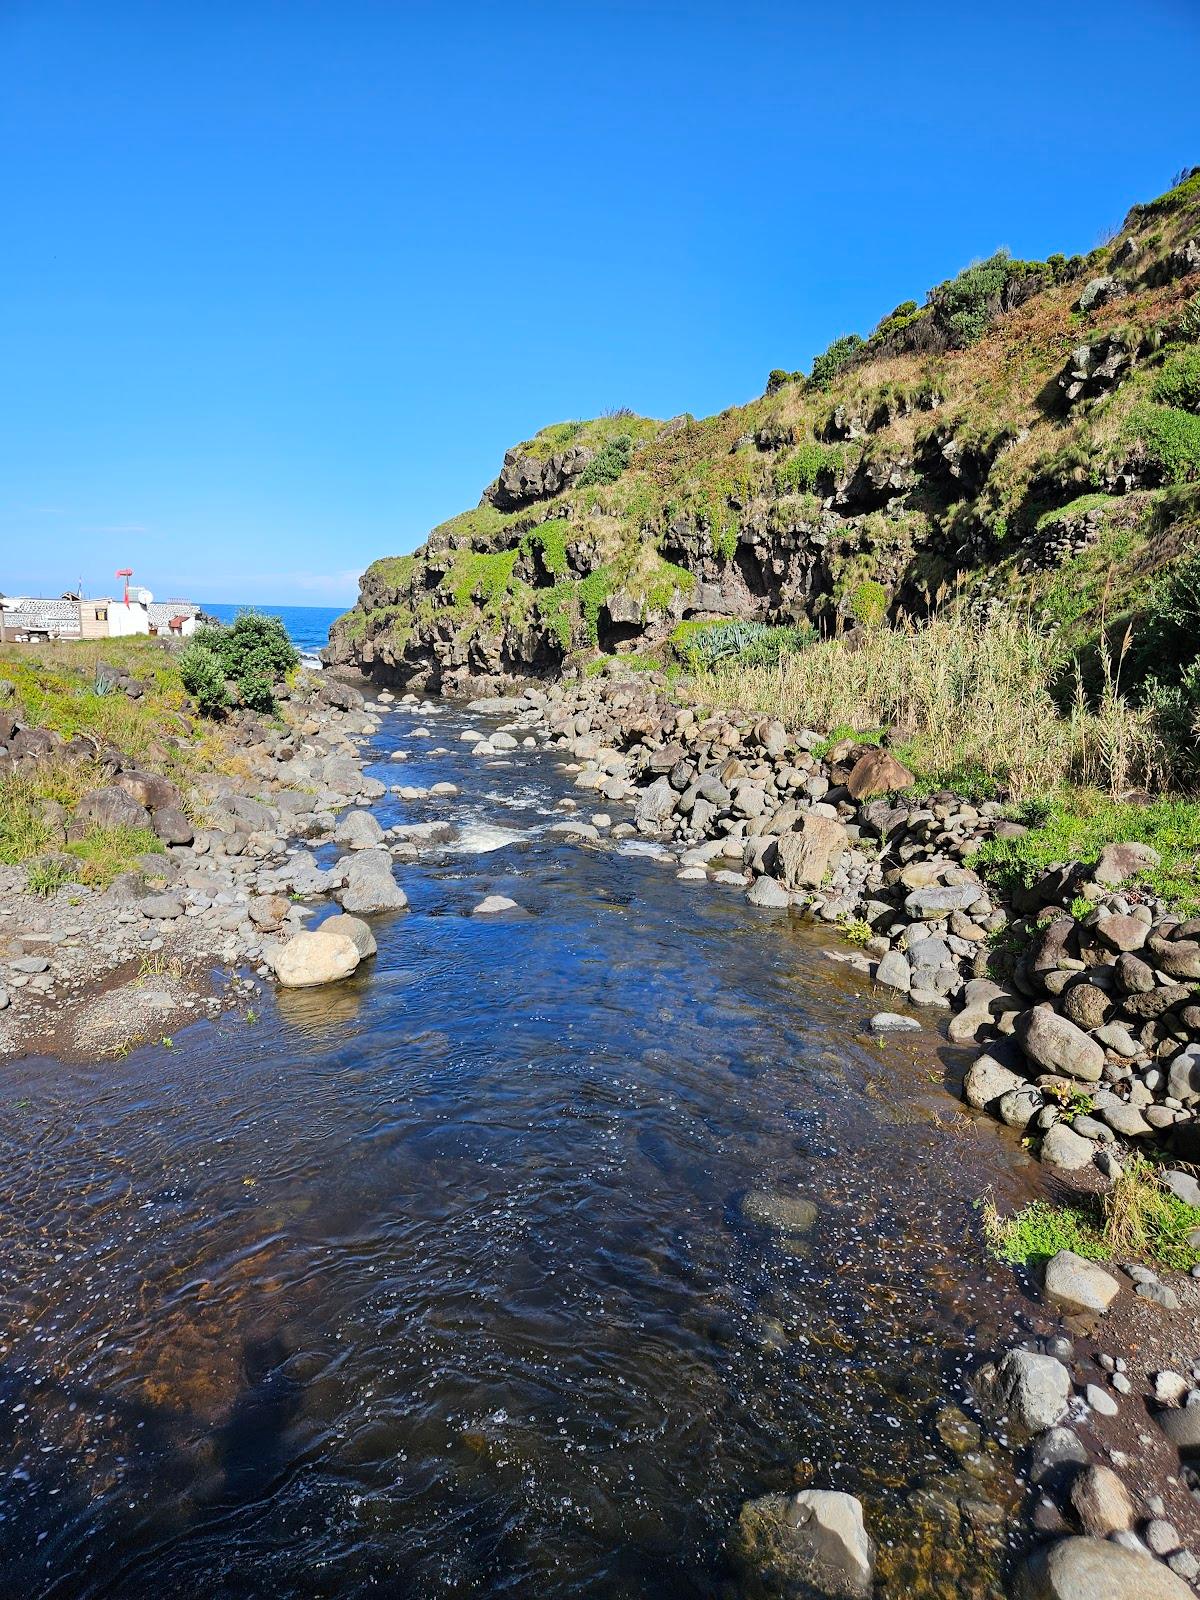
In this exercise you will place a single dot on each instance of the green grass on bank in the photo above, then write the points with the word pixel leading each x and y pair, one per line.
pixel 1136 1218
pixel 1076 826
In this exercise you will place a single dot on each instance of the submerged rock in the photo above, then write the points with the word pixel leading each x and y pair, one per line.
pixel 790 1214
pixel 1034 1388
pixel 803 1546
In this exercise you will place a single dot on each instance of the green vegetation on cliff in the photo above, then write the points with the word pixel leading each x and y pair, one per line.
pixel 1009 472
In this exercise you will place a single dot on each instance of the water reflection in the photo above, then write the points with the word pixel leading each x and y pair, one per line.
pixel 441 1280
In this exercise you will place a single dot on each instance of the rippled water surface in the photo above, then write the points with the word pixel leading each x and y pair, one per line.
pixel 437 1282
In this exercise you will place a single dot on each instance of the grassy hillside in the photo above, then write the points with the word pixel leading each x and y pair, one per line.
pixel 1027 441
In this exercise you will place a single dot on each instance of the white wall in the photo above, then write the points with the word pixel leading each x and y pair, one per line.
pixel 126 619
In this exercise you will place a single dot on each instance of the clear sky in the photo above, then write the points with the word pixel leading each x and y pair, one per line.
pixel 279 282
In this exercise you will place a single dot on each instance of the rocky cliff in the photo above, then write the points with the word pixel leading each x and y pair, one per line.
pixel 1029 435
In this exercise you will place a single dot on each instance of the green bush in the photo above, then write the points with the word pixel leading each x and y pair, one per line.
pixel 1189 320
pixel 607 465
pixel 703 645
pixel 829 363
pixel 254 651
pixel 1171 439
pixel 965 303
pixel 1178 383
pixel 204 679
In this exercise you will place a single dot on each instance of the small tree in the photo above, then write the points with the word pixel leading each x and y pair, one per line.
pixel 204 679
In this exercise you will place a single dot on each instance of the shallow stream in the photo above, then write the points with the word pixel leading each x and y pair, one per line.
pixel 437 1283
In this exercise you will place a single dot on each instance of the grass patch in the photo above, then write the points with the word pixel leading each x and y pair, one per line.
pixel 1076 826
pixel 1136 1218
pixel 103 853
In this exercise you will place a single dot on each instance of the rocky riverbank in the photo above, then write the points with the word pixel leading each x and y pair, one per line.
pixel 88 971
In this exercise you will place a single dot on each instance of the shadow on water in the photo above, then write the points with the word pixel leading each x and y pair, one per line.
pixel 439 1282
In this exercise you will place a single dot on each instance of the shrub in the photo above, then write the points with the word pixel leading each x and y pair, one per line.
pixel 1170 438
pixel 966 303
pixel 254 650
pixel 702 645
pixel 204 679
pixel 1189 319
pixel 609 462
pixel 1178 383
pixel 829 363
pixel 867 602
pixel 46 875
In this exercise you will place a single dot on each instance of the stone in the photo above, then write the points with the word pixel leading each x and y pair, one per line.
pixel 793 1215
pixel 987 1080
pixel 655 804
pixel 1034 1388
pixel 805 855
pixel 492 904
pixel 1086 1005
pixel 309 959
pixel 877 772
pixel 1178 958
pixel 172 826
pixel 1170 1388
pixel 937 901
pixel 813 1543
pixel 164 907
pixel 893 1022
pixel 354 929
pixel 893 971
pixel 1066 1149
pixel 1055 1044
pixel 768 893
pixel 1101 1501
pixel 1083 1567
pixel 1134 976
pixel 358 830
pixel 268 910
pixel 1181 1184
pixel 1122 934
pixel 1183 1075
pixel 1118 862
pixel 1078 1284
pixel 370 886
pixel 111 807
pixel 1054 1455
pixel 1100 1400
pixel 1161 1536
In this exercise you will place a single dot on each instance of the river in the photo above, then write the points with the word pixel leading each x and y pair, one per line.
pixel 437 1283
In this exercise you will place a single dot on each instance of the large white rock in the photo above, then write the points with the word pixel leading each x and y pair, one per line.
pixel 811 1543
pixel 309 959
pixel 358 830
pixel 1097 1569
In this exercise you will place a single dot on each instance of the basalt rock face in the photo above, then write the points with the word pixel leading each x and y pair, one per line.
pixel 1030 416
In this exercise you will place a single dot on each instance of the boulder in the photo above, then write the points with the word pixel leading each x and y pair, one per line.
pixel 1118 862
pixel 149 789
pixel 1034 1388
pixel 1062 1147
pixel 358 830
pixel 268 910
pixel 172 826
pixel 987 1080
pixel 1122 933
pixel 1079 1284
pixel 894 971
pixel 370 886
pixel 1056 1045
pixel 309 959
pixel 939 900
pixel 877 772
pixel 655 804
pixel 767 892
pixel 805 855
pixel 804 1545
pixel 1086 1568
pixel 111 807
pixel 354 929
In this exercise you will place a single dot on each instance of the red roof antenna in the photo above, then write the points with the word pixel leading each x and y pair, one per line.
pixel 126 573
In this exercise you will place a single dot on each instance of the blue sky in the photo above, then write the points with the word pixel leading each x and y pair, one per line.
pixel 280 282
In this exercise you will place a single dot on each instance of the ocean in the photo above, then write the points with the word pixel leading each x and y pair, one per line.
pixel 307 626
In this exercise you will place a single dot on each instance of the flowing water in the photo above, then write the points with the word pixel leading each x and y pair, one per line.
pixel 437 1283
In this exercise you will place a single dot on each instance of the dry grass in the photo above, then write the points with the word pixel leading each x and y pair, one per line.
pixel 964 698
